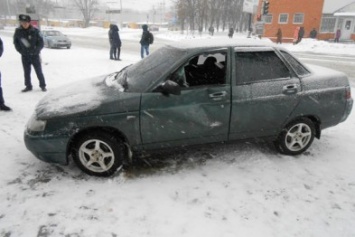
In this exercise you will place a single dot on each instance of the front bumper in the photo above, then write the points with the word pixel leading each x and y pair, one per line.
pixel 48 149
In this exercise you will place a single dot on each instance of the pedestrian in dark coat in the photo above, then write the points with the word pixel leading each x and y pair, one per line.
pixel 2 102
pixel 29 42
pixel 279 36
pixel 300 34
pixel 115 43
pixel 231 33
pixel 110 40
pixel 313 34
pixel 337 36
pixel 211 30
pixel 145 41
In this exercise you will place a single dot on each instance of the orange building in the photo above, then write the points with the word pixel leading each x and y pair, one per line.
pixel 325 16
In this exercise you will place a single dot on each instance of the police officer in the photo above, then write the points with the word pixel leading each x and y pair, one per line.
pixel 2 102
pixel 29 43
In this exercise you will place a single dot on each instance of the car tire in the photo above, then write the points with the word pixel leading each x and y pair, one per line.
pixel 98 153
pixel 68 47
pixel 296 137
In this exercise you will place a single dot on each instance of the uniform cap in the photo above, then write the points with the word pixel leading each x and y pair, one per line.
pixel 24 18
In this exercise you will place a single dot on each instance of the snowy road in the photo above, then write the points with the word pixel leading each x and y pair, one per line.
pixel 224 190
pixel 344 63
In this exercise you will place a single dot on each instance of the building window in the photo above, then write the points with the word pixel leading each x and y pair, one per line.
pixel 267 19
pixel 283 18
pixel 298 18
pixel 328 25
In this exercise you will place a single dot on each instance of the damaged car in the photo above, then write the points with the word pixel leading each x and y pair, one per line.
pixel 189 93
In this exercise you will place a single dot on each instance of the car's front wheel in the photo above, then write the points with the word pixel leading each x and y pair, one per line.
pixel 296 137
pixel 98 153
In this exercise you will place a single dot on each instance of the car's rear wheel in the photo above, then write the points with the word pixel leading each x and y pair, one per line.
pixel 98 153
pixel 296 137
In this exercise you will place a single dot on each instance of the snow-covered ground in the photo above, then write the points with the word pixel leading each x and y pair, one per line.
pixel 229 190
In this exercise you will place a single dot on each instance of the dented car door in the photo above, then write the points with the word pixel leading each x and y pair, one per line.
pixel 200 114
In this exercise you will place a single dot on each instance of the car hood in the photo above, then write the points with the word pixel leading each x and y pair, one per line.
pixel 96 96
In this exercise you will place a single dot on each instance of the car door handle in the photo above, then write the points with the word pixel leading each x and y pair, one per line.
pixel 290 89
pixel 217 95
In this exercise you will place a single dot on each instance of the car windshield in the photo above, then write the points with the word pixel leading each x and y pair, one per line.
pixel 143 74
pixel 53 33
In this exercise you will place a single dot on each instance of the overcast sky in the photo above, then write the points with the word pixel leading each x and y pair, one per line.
pixel 333 5
pixel 139 5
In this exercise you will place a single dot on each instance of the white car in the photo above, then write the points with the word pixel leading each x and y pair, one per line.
pixel 55 39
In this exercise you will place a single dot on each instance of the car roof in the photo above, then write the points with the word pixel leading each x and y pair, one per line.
pixel 220 43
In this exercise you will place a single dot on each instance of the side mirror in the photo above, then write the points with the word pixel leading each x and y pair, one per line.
pixel 169 87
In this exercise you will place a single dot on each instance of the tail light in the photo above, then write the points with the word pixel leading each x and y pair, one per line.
pixel 347 93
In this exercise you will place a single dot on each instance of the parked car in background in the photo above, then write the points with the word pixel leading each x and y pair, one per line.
pixel 55 39
pixel 153 28
pixel 194 92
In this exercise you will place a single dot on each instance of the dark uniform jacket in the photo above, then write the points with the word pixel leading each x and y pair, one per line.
pixel 28 41
pixel 1 47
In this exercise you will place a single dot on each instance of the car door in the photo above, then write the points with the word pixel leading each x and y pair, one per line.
pixel 265 92
pixel 200 114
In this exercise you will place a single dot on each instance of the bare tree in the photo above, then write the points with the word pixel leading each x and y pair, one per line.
pixel 181 13
pixel 41 7
pixel 207 13
pixel 87 8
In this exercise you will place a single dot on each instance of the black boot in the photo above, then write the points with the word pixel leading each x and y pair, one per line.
pixel 3 107
pixel 27 89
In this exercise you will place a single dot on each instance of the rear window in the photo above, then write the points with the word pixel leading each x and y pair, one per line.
pixel 258 66
pixel 295 64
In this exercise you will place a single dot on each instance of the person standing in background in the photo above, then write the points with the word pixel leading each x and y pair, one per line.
pixel 145 41
pixel 231 32
pixel 295 35
pixel 300 34
pixel 115 43
pixel 337 36
pixel 29 43
pixel 2 102
pixel 279 36
pixel 313 33
pixel 110 40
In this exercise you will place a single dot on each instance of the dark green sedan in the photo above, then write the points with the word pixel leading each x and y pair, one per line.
pixel 194 92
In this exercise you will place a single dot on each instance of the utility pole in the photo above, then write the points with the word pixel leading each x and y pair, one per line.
pixel 8 8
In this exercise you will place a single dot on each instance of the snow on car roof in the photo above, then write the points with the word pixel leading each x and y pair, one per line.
pixel 216 43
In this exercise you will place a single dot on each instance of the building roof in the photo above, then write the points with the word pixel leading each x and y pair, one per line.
pixel 332 6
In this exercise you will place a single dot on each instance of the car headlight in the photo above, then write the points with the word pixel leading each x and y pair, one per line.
pixel 36 125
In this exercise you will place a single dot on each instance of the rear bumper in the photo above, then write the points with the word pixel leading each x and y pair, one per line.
pixel 348 108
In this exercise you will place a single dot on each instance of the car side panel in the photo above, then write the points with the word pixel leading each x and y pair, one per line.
pixel 324 96
pixel 261 109
pixel 328 105
pixel 194 117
